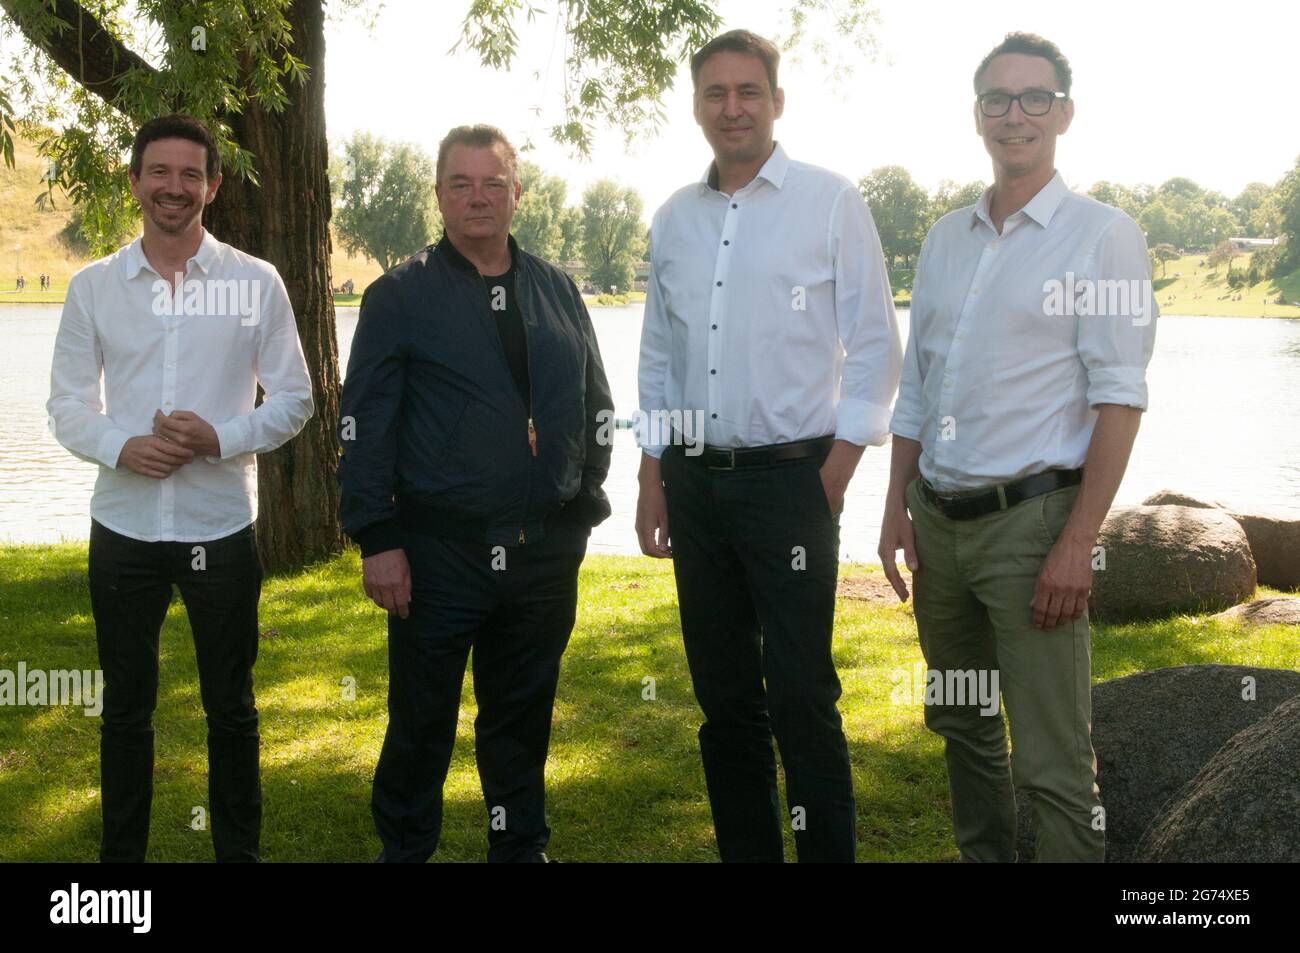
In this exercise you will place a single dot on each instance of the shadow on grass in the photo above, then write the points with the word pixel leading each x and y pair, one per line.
pixel 624 777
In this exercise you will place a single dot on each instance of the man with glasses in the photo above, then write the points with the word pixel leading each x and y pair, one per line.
pixel 1021 395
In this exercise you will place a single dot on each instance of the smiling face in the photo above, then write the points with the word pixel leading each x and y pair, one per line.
pixel 1018 144
pixel 173 186
pixel 478 194
pixel 736 107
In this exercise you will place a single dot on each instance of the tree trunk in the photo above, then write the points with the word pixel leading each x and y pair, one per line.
pixel 285 220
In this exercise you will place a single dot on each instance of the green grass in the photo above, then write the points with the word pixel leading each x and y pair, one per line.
pixel 1186 286
pixel 624 780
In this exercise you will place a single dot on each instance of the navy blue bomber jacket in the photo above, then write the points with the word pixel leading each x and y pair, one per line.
pixel 434 430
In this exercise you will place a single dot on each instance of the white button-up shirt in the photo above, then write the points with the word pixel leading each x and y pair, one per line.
pixel 1017 337
pixel 768 313
pixel 205 349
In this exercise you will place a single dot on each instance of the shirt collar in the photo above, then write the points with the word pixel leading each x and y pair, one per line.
pixel 1041 208
pixel 453 254
pixel 134 259
pixel 773 170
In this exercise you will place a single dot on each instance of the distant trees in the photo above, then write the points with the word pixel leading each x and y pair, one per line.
pixel 613 235
pixel 1288 199
pixel 384 199
pixel 1164 253
pixel 950 196
pixel 900 208
pixel 538 223
pixel 1223 252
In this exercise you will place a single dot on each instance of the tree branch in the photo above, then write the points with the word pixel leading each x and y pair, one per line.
pixel 85 50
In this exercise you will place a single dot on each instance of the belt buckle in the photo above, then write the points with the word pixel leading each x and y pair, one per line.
pixel 731 461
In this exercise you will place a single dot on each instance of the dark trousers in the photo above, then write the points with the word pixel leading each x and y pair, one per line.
pixel 130 590
pixel 756 554
pixel 517 617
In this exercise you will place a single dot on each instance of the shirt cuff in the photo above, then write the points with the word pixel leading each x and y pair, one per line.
pixel 905 424
pixel 380 538
pixel 110 448
pixel 1126 386
pixel 234 437
pixel 861 423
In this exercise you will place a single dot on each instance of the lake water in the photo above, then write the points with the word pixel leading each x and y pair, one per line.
pixel 1224 423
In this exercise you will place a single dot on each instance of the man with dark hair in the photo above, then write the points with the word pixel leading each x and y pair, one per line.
pixel 769 320
pixel 181 330
pixel 745 43
pixel 177 126
pixel 1018 409
pixel 473 413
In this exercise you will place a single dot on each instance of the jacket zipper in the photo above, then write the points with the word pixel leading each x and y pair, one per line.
pixel 528 360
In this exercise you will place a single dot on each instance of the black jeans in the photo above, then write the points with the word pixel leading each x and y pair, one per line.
pixel 130 589
pixel 756 555
pixel 515 606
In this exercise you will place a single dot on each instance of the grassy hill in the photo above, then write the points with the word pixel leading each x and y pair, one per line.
pixel 1189 287
pixel 45 248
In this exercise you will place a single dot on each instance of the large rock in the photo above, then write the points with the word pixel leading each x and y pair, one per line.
pixel 1154 731
pixel 1275 543
pixel 1280 610
pixel 1274 536
pixel 1163 560
pixel 1244 804
pixel 1174 498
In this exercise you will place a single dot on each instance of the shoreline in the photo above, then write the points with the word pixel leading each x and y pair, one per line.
pixel 1292 314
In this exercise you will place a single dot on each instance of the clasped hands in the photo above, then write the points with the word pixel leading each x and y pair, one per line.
pixel 176 439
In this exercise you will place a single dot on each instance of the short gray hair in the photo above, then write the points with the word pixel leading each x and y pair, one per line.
pixel 478 136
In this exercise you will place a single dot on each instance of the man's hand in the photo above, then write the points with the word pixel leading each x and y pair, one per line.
pixel 189 430
pixel 386 577
pixel 153 457
pixel 895 534
pixel 652 510
pixel 1063 583
pixel 836 472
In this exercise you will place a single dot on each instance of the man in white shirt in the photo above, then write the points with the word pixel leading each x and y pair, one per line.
pixel 181 329
pixel 1032 323
pixel 770 338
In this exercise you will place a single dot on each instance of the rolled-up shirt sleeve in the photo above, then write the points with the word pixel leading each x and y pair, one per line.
pixel 281 369
pixel 652 369
pixel 1116 341
pixel 867 324
pixel 369 412
pixel 76 413
pixel 909 411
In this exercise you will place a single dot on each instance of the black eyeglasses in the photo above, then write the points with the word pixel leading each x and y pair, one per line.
pixel 1033 102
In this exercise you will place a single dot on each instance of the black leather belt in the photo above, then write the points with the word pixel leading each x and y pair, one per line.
pixel 968 506
pixel 739 458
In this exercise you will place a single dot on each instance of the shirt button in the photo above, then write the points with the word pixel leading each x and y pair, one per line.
pixel 713 371
pixel 719 284
pixel 726 241
pixel 714 416
pixel 715 327
pixel 947 383
pixel 734 205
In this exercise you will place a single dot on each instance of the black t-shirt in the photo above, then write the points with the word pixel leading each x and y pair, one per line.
pixel 510 326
